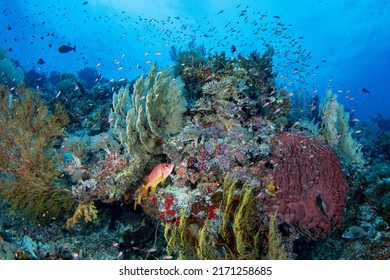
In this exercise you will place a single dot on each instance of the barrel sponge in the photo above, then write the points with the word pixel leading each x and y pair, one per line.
pixel 311 187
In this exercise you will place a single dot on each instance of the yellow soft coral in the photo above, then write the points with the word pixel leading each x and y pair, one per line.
pixel 86 209
pixel 276 248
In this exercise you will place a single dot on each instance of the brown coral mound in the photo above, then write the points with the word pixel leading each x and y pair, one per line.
pixel 312 189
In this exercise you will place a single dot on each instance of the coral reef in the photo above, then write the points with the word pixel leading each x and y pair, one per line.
pixel 222 140
pixel 54 78
pixel 382 146
pixel 34 79
pixel 186 60
pixel 240 181
pixel 88 109
pixel 10 73
pixel 377 190
pixel 221 227
pixel 89 77
pixel 139 128
pixel 101 181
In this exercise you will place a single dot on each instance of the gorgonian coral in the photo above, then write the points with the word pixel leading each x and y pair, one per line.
pixel 28 158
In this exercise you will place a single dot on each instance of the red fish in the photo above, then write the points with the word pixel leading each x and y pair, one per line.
pixel 158 175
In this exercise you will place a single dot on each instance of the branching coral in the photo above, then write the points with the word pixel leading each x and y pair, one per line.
pixel 188 59
pixel 84 209
pixel 28 160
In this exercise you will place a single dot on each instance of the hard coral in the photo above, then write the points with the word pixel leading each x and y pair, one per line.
pixel 311 186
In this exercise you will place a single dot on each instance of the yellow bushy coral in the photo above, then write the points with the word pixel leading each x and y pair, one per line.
pixel 84 209
pixel 241 221
pixel 234 235
pixel 276 249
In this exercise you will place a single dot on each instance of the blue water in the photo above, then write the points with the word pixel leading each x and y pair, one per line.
pixel 343 45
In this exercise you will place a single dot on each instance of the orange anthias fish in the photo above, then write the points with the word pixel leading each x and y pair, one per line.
pixel 158 175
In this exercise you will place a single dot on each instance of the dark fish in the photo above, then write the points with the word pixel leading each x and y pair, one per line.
pixel 40 61
pixel 66 49
pixel 364 90
pixel 243 13
pixel 321 205
pixel 80 87
pixel 233 48
pixel 85 3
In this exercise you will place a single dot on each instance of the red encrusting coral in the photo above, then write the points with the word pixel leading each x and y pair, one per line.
pixel 311 187
pixel 167 213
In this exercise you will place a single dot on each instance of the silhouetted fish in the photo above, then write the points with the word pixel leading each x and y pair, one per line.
pixel 66 49
pixel 364 90
pixel 321 205
pixel 40 61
